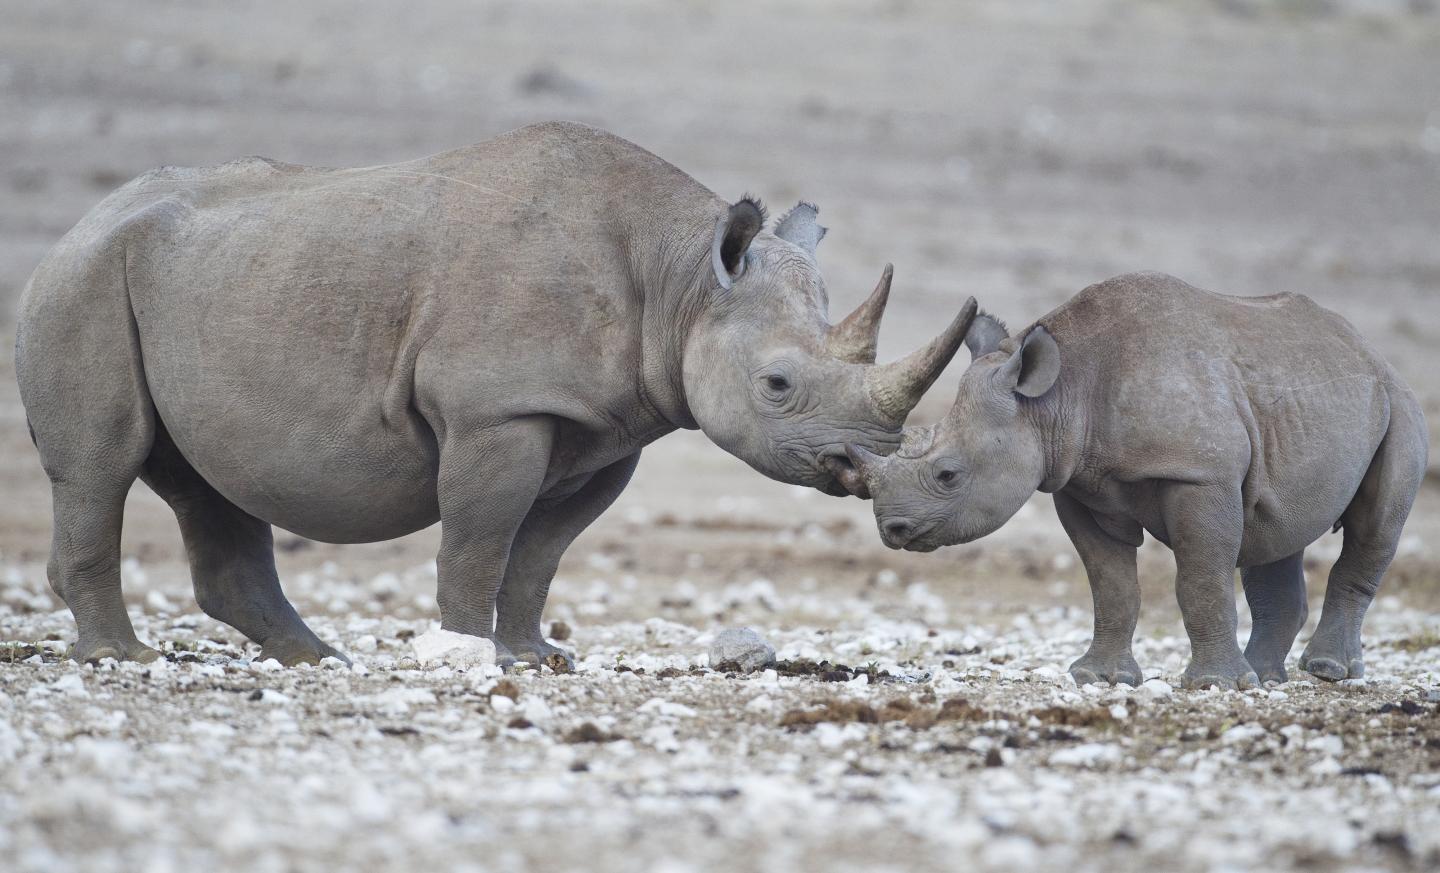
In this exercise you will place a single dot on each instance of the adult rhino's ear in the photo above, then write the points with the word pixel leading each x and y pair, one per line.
pixel 798 226
pixel 985 335
pixel 734 232
pixel 1033 367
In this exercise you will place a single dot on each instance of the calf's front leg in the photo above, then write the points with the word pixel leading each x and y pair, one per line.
pixel 1115 589
pixel 488 481
pixel 1205 525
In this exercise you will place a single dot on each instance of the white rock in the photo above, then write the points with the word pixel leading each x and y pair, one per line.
pixel 436 647
pixel 535 709
pixel 1243 733
pixel 661 706
pixel 743 646
pixel 501 704
pixel 365 643
pixel 1326 766
pixel 1327 745
pixel 70 684
pixel 9 743
pixel 1156 689
pixel 1087 755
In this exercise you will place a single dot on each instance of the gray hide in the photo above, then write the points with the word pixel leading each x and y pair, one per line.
pixel 485 338
pixel 1235 430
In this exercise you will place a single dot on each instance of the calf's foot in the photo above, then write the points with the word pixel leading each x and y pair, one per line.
pixel 1227 671
pixel 1113 668
pixel 1333 657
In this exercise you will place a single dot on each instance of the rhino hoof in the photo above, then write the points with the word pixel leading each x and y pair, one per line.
pixel 295 652
pixel 99 650
pixel 1332 670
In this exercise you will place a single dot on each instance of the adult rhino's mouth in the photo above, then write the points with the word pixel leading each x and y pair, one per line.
pixel 847 479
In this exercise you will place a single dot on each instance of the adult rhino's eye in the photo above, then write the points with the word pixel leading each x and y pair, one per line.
pixel 777 383
pixel 947 474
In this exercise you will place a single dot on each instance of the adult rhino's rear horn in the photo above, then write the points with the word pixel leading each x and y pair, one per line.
pixel 896 387
pixel 853 340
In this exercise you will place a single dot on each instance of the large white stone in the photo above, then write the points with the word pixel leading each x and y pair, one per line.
pixel 437 647
pixel 744 647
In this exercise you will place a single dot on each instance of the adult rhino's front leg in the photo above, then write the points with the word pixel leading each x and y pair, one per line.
pixel 544 536
pixel 488 481
pixel 1115 589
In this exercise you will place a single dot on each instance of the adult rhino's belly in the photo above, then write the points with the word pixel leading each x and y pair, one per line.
pixel 321 463
pixel 309 483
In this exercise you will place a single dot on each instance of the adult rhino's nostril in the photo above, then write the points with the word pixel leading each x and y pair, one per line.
pixel 897 531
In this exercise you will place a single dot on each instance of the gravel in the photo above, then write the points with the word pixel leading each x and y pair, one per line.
pixel 954 741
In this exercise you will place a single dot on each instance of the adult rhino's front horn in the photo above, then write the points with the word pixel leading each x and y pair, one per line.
pixel 853 340
pixel 896 387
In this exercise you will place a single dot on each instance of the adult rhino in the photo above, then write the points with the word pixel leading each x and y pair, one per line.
pixel 486 337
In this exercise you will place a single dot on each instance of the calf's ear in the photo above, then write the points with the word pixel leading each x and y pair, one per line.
pixel 734 232
pixel 1033 366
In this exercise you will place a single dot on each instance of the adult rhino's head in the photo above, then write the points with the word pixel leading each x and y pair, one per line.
pixel 965 476
pixel 771 381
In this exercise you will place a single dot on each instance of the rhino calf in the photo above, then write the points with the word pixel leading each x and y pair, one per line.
pixel 1234 430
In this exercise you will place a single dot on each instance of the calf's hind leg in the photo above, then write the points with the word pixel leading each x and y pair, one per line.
pixel 1373 522
pixel 1205 525
pixel 232 560
pixel 1278 608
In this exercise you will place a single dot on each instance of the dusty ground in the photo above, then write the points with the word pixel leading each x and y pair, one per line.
pixel 984 148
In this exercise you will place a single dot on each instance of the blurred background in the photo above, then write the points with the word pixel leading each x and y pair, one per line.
pixel 1016 151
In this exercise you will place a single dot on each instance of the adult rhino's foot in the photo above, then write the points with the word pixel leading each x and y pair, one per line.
pixel 1113 668
pixel 536 651
pixel 93 651
pixel 1228 672
pixel 292 651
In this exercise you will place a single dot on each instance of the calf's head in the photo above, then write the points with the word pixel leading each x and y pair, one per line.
pixel 963 477
pixel 771 381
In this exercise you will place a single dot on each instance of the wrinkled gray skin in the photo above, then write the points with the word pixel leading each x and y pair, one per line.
pixel 484 338
pixel 1234 430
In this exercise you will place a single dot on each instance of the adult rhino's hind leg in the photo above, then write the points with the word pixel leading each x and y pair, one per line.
pixel 232 561
pixel 77 362
pixel 1278 608
pixel 544 536
pixel 1373 522
pixel 1206 524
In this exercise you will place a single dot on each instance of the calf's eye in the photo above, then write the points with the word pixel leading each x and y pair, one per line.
pixel 777 383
